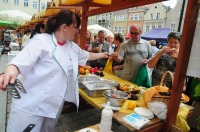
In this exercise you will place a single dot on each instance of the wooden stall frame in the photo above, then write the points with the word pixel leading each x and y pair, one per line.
pixel 185 49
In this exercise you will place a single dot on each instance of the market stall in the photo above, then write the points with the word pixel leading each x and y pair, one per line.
pixel 186 41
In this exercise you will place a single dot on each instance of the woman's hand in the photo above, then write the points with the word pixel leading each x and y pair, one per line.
pixel 97 49
pixel 9 76
pixel 104 55
pixel 165 49
pixel 114 54
pixel 116 68
pixel 5 79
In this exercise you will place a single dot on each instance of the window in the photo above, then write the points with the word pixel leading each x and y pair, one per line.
pixel 136 17
pixel 5 1
pixel 151 16
pixel 16 2
pixel 43 6
pixel 107 18
pixel 159 26
pixel 124 18
pixel 110 16
pixel 153 26
pixel 172 27
pixel 115 29
pixel 102 17
pixel 158 16
pixel 131 17
pixel 147 28
pixel 119 30
pixel 140 17
pixel 34 5
pixel 123 30
pixel 25 2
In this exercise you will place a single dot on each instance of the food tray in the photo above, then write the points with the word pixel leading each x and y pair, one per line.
pixel 96 89
pixel 87 78
pixel 112 83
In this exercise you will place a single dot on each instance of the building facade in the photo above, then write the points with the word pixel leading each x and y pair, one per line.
pixel 120 21
pixel 155 17
pixel 105 20
pixel 136 16
pixel 29 6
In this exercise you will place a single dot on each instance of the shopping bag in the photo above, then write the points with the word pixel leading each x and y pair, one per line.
pixel 142 78
pixel 108 67
pixel 195 89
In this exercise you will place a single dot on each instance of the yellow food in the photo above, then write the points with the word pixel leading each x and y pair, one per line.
pixel 131 105
pixel 87 71
pixel 81 70
pixel 148 94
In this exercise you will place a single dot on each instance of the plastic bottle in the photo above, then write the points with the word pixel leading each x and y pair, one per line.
pixel 106 118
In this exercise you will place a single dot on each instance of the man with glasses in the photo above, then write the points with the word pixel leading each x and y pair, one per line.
pixel 134 52
pixel 101 45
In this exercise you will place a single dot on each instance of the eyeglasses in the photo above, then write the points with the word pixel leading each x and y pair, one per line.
pixel 134 33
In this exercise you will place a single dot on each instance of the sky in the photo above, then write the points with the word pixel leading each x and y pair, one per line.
pixel 170 3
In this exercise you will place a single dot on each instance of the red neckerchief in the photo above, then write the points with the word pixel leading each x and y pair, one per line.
pixel 61 43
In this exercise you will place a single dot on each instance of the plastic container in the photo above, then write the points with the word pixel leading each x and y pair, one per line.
pixel 106 118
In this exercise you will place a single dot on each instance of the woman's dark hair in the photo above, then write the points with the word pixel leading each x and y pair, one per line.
pixel 27 31
pixel 37 29
pixel 175 35
pixel 63 17
pixel 119 36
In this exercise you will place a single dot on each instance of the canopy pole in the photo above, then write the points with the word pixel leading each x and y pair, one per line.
pixel 182 63
pixel 83 30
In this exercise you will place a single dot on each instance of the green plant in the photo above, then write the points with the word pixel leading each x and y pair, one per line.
pixel 198 123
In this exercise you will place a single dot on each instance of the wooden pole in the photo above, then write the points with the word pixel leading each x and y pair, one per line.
pixel 83 30
pixel 182 63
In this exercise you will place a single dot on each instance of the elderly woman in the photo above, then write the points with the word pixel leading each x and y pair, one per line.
pixel 110 39
pixel 118 66
pixel 165 60
pixel 89 39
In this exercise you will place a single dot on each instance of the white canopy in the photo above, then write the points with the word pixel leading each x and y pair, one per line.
pixel 15 16
pixel 95 29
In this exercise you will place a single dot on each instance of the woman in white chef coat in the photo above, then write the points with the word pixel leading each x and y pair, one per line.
pixel 48 68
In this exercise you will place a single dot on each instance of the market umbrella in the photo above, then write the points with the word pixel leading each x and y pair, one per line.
pixel 5 23
pixel 14 16
pixel 96 28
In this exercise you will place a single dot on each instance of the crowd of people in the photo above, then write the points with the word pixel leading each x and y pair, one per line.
pixel 50 56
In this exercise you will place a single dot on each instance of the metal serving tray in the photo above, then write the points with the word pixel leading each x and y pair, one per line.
pixel 87 78
pixel 111 82
pixel 96 89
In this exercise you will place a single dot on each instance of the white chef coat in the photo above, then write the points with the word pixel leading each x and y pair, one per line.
pixel 44 73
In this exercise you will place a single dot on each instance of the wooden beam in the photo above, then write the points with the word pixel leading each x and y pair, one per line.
pixel 83 30
pixel 182 62
pixel 90 4
pixel 121 5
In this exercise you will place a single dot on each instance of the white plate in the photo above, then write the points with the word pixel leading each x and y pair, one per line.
pixel 112 107
pixel 144 112
pixel 87 129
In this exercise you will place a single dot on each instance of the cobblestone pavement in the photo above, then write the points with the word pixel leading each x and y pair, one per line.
pixel 3 96
pixel 69 120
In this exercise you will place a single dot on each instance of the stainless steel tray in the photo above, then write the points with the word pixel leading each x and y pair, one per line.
pixel 86 78
pixel 96 89
pixel 111 82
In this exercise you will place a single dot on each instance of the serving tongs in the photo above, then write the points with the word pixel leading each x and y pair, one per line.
pixel 12 89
